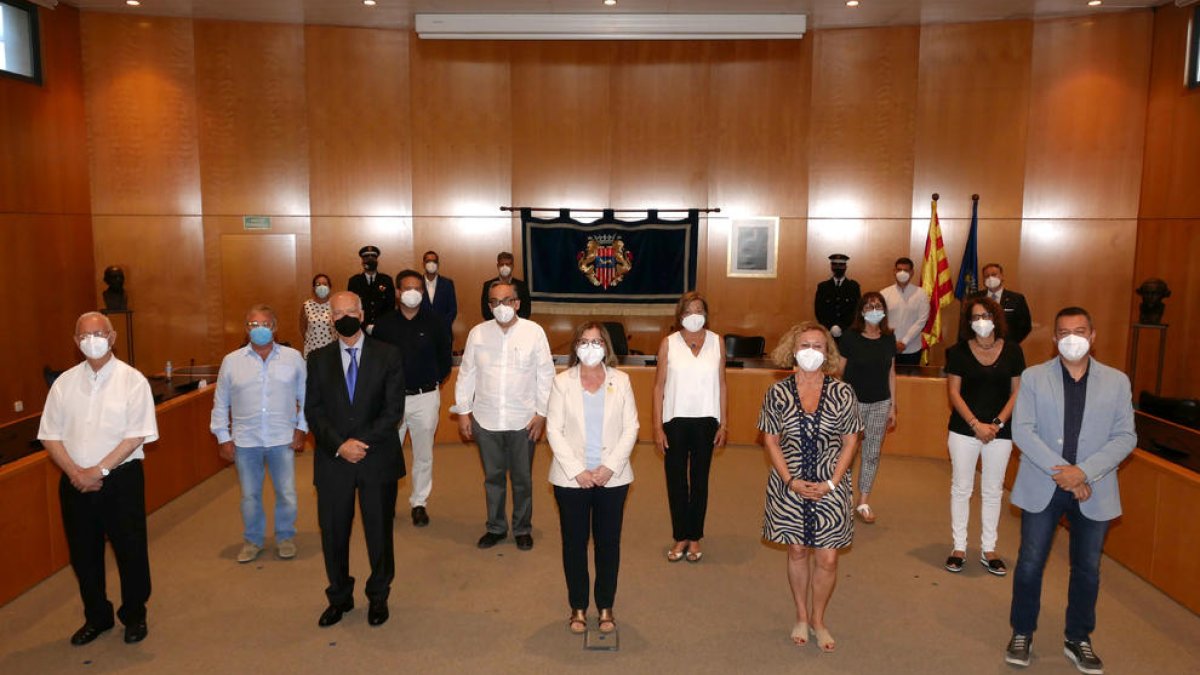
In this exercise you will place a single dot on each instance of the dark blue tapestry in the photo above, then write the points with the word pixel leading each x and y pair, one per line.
pixel 644 262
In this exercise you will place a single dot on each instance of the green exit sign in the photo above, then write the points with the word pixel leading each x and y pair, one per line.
pixel 256 222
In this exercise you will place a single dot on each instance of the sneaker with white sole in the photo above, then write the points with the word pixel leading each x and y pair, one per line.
pixel 1083 656
pixel 1018 650
pixel 249 552
pixel 286 549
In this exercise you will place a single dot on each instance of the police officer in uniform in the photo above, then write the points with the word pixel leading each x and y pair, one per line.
pixel 837 297
pixel 376 289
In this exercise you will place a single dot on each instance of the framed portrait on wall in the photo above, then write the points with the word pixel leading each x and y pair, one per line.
pixel 753 247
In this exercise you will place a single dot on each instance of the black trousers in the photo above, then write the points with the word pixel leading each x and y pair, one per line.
pixel 913 359
pixel 688 459
pixel 117 512
pixel 600 511
pixel 335 514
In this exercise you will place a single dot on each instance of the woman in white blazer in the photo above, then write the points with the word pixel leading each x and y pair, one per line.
pixel 592 426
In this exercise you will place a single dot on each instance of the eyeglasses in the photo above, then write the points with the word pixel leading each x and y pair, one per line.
pixel 508 302
pixel 95 333
pixel 819 346
pixel 595 342
pixel 979 317
pixel 257 324
pixel 873 306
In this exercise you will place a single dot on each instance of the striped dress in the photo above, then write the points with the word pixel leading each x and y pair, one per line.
pixel 811 445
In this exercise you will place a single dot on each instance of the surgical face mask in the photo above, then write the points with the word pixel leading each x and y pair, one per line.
pixel 370 265
pixel 983 327
pixel 348 325
pixel 992 283
pixel 431 267
pixel 261 335
pixel 1073 347
pixel 505 270
pixel 903 276
pixel 322 291
pixel 94 346
pixel 504 313
pixel 410 298
pixel 874 316
pixel 590 355
pixel 809 359
pixel 693 322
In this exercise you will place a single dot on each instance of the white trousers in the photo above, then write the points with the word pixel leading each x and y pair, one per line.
pixel 965 454
pixel 420 422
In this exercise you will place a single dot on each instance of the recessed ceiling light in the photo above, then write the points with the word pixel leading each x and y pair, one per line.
pixel 610 3
pixel 1095 3
pixel 369 3
pixel 852 3
pixel 133 3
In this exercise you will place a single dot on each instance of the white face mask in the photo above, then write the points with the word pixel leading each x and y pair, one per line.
pixel 504 313
pixel 809 359
pixel 1074 347
pixel 410 298
pixel 94 347
pixel 874 316
pixel 983 327
pixel 693 322
pixel 505 271
pixel 992 283
pixel 322 291
pixel 431 267
pixel 590 355
pixel 903 276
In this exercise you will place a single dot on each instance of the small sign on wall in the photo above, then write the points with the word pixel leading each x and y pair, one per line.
pixel 256 222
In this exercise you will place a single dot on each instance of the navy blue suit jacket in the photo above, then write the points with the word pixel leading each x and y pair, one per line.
pixel 445 303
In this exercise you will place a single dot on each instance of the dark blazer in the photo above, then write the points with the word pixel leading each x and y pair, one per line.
pixel 1016 314
pixel 378 407
pixel 377 299
pixel 445 303
pixel 835 304
pixel 522 293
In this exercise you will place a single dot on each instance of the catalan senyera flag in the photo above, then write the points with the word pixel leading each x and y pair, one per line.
pixel 935 281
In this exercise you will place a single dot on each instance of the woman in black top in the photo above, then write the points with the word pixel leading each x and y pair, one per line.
pixel 870 369
pixel 983 373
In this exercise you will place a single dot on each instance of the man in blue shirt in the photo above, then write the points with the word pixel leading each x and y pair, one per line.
pixel 261 387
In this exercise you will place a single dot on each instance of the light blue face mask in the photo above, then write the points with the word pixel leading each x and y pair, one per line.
pixel 874 316
pixel 261 335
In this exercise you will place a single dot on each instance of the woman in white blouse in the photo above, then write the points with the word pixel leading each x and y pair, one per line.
pixel 591 425
pixel 690 410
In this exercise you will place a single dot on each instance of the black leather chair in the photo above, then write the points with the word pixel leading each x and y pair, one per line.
pixel 744 346
pixel 1182 411
pixel 620 341
pixel 51 375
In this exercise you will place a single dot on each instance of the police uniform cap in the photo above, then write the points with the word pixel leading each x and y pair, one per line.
pixel 368 250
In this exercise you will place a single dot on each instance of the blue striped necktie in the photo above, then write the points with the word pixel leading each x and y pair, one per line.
pixel 352 373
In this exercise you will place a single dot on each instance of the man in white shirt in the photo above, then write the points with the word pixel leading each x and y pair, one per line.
pixel 502 395
pixel 262 386
pixel 97 416
pixel 907 312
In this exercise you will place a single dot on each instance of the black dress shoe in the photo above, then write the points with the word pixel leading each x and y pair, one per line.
pixel 490 539
pixel 524 541
pixel 419 517
pixel 136 632
pixel 333 614
pixel 87 633
pixel 377 614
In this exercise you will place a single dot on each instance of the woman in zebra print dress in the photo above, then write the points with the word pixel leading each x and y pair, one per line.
pixel 810 424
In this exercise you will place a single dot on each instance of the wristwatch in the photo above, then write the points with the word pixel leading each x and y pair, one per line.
pixel 998 422
pixel 104 472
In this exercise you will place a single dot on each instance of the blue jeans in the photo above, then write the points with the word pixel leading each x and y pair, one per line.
pixel 1087 543
pixel 251 463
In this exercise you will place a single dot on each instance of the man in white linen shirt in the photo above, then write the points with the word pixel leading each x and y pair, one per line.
pixel 261 386
pixel 502 395
pixel 97 416
pixel 907 312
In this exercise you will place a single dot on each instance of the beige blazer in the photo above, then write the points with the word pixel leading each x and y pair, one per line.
pixel 565 432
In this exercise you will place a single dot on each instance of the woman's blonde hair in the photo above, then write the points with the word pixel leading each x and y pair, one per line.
pixel 784 354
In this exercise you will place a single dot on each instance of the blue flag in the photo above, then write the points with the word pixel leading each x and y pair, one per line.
pixel 968 271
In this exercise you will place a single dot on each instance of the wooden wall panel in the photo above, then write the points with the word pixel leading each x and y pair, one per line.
pixel 358 121
pixel 25 531
pixel 467 248
pixel 1129 539
pixel 1176 568
pixel 1169 249
pixel 166 283
pixel 140 82
pixel 336 241
pixel 462 127
pixel 1172 123
pixel 972 118
pixel 250 89
pixel 1104 59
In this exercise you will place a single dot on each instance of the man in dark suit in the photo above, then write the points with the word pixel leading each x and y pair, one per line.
pixel 1016 310
pixel 837 297
pixel 504 270
pixel 354 400
pixel 376 289
pixel 439 292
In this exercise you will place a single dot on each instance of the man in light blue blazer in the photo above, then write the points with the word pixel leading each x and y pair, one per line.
pixel 1073 422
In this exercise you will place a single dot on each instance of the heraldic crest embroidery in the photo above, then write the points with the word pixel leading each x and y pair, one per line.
pixel 605 260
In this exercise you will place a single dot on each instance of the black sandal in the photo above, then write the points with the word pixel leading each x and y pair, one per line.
pixel 954 564
pixel 994 566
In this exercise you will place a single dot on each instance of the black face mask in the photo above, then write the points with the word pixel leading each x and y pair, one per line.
pixel 347 325
pixel 839 272
pixel 371 265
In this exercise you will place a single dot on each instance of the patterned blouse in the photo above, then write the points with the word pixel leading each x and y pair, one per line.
pixel 320 325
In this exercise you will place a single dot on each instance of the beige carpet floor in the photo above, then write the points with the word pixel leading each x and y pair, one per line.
pixel 458 609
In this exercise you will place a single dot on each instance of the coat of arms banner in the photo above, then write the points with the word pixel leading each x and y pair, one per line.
pixel 609 266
